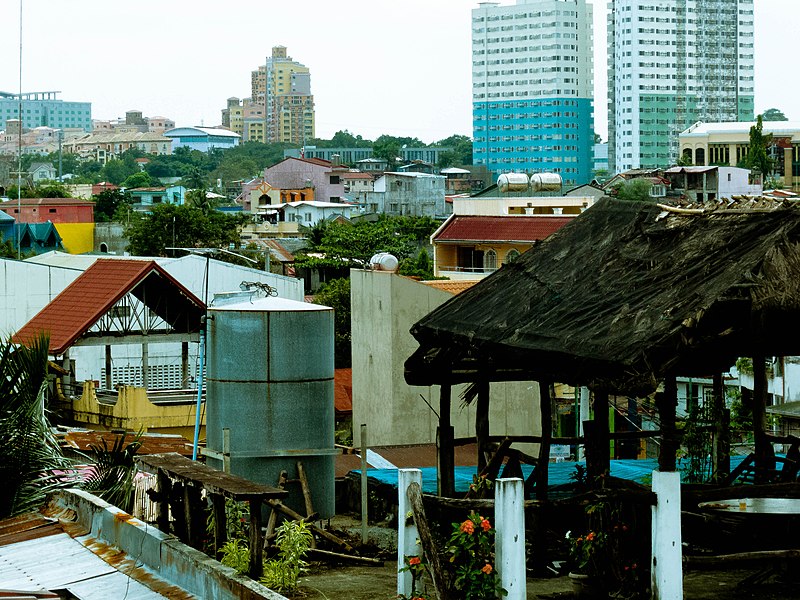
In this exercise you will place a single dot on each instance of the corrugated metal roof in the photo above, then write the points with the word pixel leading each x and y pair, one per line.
pixel 57 561
pixel 91 295
pixel 500 229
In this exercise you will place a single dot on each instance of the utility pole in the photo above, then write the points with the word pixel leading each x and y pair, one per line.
pixel 19 147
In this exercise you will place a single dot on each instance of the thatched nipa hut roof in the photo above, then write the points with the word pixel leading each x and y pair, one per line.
pixel 625 294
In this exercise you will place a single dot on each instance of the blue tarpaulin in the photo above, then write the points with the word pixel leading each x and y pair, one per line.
pixel 558 473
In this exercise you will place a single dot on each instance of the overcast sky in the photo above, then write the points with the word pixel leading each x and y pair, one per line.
pixel 401 68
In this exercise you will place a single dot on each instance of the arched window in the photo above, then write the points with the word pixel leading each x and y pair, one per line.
pixel 104 248
pixel 512 256
pixel 489 260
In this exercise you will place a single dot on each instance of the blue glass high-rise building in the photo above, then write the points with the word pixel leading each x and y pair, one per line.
pixel 532 88
pixel 45 109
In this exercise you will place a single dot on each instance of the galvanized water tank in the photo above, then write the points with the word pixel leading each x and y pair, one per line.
pixel 270 381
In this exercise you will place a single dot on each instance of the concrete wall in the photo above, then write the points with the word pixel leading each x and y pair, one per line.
pixel 113 236
pixel 26 288
pixel 77 238
pixel 384 307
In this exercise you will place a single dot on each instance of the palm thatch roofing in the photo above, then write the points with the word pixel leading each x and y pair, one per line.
pixel 625 294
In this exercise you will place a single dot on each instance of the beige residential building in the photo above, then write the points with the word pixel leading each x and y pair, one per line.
pixel 283 87
pixel 104 146
pixel 726 144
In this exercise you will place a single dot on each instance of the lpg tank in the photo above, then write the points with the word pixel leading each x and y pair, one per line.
pixel 270 382
pixel 546 182
pixel 512 182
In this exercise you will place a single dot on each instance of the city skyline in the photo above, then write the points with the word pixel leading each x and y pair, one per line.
pixel 398 70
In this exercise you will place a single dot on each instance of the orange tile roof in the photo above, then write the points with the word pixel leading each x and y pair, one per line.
pixel 501 229
pixel 90 296
pixel 454 287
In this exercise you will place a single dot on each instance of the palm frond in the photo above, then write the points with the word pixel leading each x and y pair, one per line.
pixel 114 470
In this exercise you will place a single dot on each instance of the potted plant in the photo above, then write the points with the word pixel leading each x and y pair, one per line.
pixel 603 558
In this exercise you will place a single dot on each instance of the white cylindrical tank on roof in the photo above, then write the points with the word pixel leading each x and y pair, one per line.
pixel 546 182
pixel 512 182
pixel 383 261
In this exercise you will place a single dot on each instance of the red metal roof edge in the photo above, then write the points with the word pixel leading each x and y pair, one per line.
pixel 145 268
pixel 564 219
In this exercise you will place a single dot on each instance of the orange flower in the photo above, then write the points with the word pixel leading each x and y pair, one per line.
pixel 467 527
pixel 485 525
pixel 590 536
pixel 414 560
pixel 487 568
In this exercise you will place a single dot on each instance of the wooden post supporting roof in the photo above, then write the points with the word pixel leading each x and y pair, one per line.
pixel 482 423
pixel 602 430
pixel 543 461
pixel 445 472
pixel 667 404
pixel 721 453
pixel 765 457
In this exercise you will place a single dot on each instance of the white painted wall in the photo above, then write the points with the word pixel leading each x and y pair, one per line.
pixel 384 306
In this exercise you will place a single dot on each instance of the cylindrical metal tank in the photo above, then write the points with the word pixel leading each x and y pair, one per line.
pixel 383 261
pixel 546 182
pixel 512 182
pixel 270 382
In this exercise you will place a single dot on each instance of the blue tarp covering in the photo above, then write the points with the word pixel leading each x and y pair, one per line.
pixel 558 474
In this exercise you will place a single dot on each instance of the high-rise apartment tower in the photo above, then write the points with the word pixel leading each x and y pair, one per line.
pixel 283 87
pixel 673 63
pixel 532 88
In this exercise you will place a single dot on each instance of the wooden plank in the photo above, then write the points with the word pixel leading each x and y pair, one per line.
pixel 216 482
pixel 256 542
pixel 164 485
pixel 721 444
pixel 220 523
pixel 273 515
pixel 301 475
pixel 349 558
pixel 438 574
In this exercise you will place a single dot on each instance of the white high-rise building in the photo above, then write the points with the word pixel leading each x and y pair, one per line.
pixel 532 87
pixel 673 63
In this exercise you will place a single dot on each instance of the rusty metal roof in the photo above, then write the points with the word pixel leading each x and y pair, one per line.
pixel 151 444
pixel 516 228
pixel 343 390
pixel 39 554
pixel 76 309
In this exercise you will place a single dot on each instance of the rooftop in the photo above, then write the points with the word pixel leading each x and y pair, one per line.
pixel 510 228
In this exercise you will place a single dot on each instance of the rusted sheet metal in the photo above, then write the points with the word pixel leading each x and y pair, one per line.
pixel 151 444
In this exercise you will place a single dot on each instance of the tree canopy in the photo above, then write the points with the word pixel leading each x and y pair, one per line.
pixel 336 294
pixel 169 225
pixel 757 157
pixel 353 244
pixel 108 203
pixel 774 114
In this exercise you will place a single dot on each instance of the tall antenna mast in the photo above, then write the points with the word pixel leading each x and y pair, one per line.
pixel 19 145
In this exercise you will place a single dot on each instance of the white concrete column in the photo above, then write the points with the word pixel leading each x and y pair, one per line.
pixel 407 534
pixel 667 569
pixel 509 541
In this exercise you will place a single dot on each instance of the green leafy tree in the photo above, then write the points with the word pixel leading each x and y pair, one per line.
pixel 345 139
pixel 774 114
pixel 757 158
pixel 421 266
pixel 138 180
pixel 460 153
pixel 387 148
pixel 108 203
pixel 352 245
pixel 116 171
pixel 336 294
pixel 635 189
pixel 150 234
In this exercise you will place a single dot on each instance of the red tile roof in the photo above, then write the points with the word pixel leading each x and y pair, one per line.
pixel 500 229
pixel 90 296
